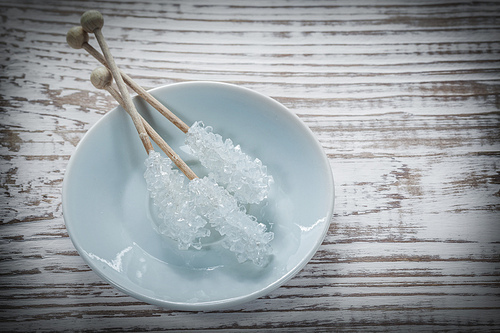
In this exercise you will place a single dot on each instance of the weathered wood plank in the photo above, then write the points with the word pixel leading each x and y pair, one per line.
pixel 402 96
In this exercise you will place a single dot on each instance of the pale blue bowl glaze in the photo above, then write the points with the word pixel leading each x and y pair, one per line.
pixel 109 216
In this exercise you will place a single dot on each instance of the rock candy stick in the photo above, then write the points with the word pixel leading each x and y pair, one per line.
pixel 185 208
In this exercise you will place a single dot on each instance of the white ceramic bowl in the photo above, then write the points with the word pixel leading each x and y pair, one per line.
pixel 109 215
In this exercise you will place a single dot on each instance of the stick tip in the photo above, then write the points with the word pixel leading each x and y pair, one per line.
pixel 101 77
pixel 91 20
pixel 76 37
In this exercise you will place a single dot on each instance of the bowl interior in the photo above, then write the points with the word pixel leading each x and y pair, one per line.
pixel 110 217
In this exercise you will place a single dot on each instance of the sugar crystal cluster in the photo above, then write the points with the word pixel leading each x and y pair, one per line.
pixel 187 209
pixel 245 178
pixel 244 235
pixel 179 220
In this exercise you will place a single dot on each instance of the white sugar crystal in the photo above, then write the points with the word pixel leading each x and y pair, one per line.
pixel 244 235
pixel 247 179
pixel 179 219
pixel 184 209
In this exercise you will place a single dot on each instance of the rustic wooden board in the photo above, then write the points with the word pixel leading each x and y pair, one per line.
pixel 403 96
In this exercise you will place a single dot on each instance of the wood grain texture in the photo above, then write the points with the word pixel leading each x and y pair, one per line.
pixel 403 96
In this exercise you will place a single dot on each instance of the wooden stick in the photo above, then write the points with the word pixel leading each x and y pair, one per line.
pixel 102 78
pixel 92 21
pixel 78 38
